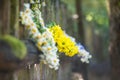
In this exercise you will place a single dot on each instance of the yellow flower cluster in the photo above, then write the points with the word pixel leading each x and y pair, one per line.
pixel 64 43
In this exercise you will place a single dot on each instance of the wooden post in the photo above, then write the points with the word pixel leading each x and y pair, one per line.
pixel 14 18
pixel 4 16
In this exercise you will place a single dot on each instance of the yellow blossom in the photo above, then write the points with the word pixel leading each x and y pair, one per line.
pixel 64 43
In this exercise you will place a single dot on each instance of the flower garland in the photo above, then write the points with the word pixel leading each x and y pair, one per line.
pixel 52 40
pixel 66 44
pixel 42 36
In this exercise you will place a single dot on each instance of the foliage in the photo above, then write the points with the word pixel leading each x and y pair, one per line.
pixel 96 17
pixel 96 14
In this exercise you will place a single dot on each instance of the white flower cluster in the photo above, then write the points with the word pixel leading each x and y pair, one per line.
pixel 85 56
pixel 47 45
pixel 44 41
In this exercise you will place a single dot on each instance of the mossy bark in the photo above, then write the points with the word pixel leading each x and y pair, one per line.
pixel 18 48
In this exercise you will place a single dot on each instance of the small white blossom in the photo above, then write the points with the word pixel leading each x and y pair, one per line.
pixel 85 56
pixel 43 4
pixel 27 5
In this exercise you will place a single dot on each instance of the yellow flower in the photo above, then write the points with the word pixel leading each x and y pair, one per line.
pixel 38 44
pixel 38 37
pixel 34 30
pixel 64 43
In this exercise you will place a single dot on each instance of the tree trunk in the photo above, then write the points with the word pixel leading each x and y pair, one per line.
pixel 79 21
pixel 114 48
pixel 79 67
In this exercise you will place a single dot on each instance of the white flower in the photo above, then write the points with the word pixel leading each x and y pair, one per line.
pixel 26 18
pixel 27 5
pixel 85 56
pixel 36 36
pixel 31 1
pixel 50 51
pixel 51 60
pixel 28 11
pixel 43 4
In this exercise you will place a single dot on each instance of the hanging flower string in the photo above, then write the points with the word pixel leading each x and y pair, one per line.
pixel 42 36
pixel 66 44
pixel 52 41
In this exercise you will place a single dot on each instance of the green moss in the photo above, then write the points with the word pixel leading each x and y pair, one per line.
pixel 18 48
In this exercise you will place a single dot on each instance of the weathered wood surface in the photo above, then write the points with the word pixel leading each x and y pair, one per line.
pixel 8 62
pixel 4 16
pixel 55 10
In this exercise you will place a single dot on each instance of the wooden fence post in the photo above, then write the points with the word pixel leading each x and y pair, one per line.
pixel 4 16
pixel 14 18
